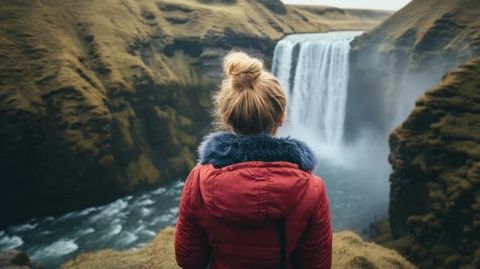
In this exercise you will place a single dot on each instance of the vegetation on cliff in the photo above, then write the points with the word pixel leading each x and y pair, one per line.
pixel 434 197
pixel 349 251
pixel 406 55
pixel 435 186
pixel 99 98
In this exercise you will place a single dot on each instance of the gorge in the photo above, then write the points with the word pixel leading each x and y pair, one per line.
pixel 315 105
pixel 114 97
pixel 109 103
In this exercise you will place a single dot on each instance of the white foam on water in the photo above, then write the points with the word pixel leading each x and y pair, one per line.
pixel 159 190
pixel 85 232
pixel 106 212
pixel 116 229
pixel 145 212
pixel 87 211
pixel 10 242
pixel 139 228
pixel 144 202
pixel 166 218
pixel 174 210
pixel 44 233
pixel 148 233
pixel 49 219
pixel 126 238
pixel 56 249
pixel 24 227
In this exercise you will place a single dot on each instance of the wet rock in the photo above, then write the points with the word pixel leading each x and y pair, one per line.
pixel 15 260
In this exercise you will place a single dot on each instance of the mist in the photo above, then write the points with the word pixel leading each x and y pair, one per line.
pixel 314 70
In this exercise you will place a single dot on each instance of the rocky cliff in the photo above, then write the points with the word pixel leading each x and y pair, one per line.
pixel 434 197
pixel 101 98
pixel 406 55
pixel 435 186
pixel 349 251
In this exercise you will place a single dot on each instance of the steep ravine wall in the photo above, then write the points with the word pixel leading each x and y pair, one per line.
pixel 102 98
pixel 435 186
pixel 403 57
pixel 433 212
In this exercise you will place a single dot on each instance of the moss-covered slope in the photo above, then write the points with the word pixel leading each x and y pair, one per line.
pixel 435 186
pixel 349 251
pixel 99 98
pixel 406 55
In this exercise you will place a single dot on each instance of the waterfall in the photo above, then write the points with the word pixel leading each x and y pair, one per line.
pixel 313 69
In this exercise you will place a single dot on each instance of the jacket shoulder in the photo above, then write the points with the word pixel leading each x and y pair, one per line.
pixel 316 192
pixel 192 188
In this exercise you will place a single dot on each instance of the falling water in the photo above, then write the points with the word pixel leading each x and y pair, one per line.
pixel 313 69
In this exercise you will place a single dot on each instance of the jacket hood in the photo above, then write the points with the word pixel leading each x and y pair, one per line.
pixel 254 178
pixel 223 149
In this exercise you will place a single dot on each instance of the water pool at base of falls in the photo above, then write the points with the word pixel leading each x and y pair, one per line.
pixel 313 69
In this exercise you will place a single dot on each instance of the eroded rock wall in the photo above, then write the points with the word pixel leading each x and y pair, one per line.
pixel 406 55
pixel 435 186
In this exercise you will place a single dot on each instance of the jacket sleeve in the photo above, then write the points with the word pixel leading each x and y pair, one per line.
pixel 192 250
pixel 315 248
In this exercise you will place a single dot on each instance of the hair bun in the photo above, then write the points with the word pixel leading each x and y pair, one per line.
pixel 242 70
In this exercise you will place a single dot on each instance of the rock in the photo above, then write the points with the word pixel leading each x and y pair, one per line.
pixel 434 193
pixel 435 184
pixel 114 97
pixel 15 260
pixel 349 251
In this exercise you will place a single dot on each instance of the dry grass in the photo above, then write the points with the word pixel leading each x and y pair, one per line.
pixel 453 25
pixel 350 251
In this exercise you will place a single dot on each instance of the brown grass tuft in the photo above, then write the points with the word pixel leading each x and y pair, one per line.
pixel 349 251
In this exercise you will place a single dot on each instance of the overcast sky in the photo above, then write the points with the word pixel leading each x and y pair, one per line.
pixel 370 4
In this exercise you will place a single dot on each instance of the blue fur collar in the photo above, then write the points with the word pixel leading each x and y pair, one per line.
pixel 222 149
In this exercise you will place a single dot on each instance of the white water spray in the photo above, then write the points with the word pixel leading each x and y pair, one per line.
pixel 314 70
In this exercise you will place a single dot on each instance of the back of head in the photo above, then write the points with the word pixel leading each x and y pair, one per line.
pixel 250 100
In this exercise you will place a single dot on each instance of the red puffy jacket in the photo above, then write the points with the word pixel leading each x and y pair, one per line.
pixel 232 200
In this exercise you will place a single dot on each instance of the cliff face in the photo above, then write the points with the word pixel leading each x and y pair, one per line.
pixel 435 186
pixel 434 197
pixel 406 55
pixel 349 251
pixel 100 98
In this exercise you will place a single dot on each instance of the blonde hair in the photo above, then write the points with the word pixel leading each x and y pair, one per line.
pixel 250 99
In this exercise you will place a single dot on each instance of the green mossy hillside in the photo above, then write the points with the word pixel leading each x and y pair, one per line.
pixel 406 55
pixel 435 186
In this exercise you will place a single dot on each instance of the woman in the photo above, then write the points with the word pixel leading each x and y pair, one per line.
pixel 252 201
